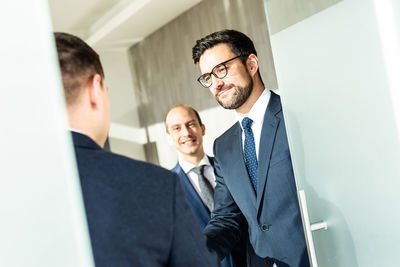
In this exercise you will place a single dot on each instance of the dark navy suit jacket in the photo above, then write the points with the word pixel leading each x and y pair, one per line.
pixel 136 212
pixel 200 211
pixel 273 216
pixel 202 216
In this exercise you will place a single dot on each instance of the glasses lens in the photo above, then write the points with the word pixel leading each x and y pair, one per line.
pixel 205 80
pixel 220 71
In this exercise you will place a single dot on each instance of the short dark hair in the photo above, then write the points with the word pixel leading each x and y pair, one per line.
pixel 78 64
pixel 239 43
pixel 183 106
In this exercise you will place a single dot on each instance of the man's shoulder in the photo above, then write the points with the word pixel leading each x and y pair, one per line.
pixel 146 167
pixel 228 134
pixel 177 168
pixel 119 165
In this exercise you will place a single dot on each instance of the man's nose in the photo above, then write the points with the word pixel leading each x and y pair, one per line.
pixel 217 83
pixel 185 131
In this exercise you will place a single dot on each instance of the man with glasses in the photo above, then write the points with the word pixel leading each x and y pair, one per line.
pixel 255 188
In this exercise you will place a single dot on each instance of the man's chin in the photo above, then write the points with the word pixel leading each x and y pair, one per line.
pixel 189 151
pixel 226 104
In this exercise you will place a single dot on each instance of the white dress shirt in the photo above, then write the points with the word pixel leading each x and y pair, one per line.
pixel 75 130
pixel 256 113
pixel 193 177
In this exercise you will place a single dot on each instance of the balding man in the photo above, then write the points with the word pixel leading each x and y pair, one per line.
pixel 185 131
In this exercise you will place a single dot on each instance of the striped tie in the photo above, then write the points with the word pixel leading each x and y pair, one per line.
pixel 206 190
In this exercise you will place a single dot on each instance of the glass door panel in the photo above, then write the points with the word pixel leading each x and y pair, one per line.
pixel 337 74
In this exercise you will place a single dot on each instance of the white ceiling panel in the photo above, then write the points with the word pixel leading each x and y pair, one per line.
pixel 113 23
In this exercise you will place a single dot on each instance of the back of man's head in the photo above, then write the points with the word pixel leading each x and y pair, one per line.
pixel 78 64
pixel 85 90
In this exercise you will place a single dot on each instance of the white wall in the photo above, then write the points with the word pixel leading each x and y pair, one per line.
pixel 127 148
pixel 120 86
pixel 126 137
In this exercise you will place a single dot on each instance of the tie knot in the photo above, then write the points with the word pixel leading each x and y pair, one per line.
pixel 246 123
pixel 198 170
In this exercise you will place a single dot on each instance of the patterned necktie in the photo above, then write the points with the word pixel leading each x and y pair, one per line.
pixel 206 190
pixel 250 156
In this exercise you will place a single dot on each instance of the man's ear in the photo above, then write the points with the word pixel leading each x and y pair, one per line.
pixel 252 64
pixel 94 87
pixel 203 129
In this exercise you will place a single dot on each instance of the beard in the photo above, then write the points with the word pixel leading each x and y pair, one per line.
pixel 240 95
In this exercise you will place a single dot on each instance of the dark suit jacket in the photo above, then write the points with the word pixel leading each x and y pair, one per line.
pixel 273 216
pixel 136 212
pixel 200 211
pixel 202 216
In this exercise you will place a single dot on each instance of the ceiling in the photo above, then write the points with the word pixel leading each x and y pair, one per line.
pixel 110 24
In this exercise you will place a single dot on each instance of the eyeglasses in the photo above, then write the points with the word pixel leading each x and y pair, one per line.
pixel 220 71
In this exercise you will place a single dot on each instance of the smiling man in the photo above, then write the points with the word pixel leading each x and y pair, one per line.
pixel 185 131
pixel 255 188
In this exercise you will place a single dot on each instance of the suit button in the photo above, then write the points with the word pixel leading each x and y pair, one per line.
pixel 268 262
pixel 264 227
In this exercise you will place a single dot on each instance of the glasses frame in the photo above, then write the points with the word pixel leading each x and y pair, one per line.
pixel 215 67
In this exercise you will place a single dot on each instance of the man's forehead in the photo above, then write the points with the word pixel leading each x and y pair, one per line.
pixel 213 56
pixel 185 121
pixel 180 113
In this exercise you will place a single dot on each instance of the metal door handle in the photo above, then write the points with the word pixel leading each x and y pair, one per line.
pixel 309 228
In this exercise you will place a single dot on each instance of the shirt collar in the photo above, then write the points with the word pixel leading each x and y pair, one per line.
pixel 187 166
pixel 257 112
pixel 75 130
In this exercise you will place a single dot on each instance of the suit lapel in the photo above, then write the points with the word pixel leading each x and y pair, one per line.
pixel 200 211
pixel 211 160
pixel 268 133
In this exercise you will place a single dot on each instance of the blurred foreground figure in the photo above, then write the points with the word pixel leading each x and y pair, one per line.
pixel 136 212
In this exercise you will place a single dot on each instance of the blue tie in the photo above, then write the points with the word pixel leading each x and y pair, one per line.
pixel 250 156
